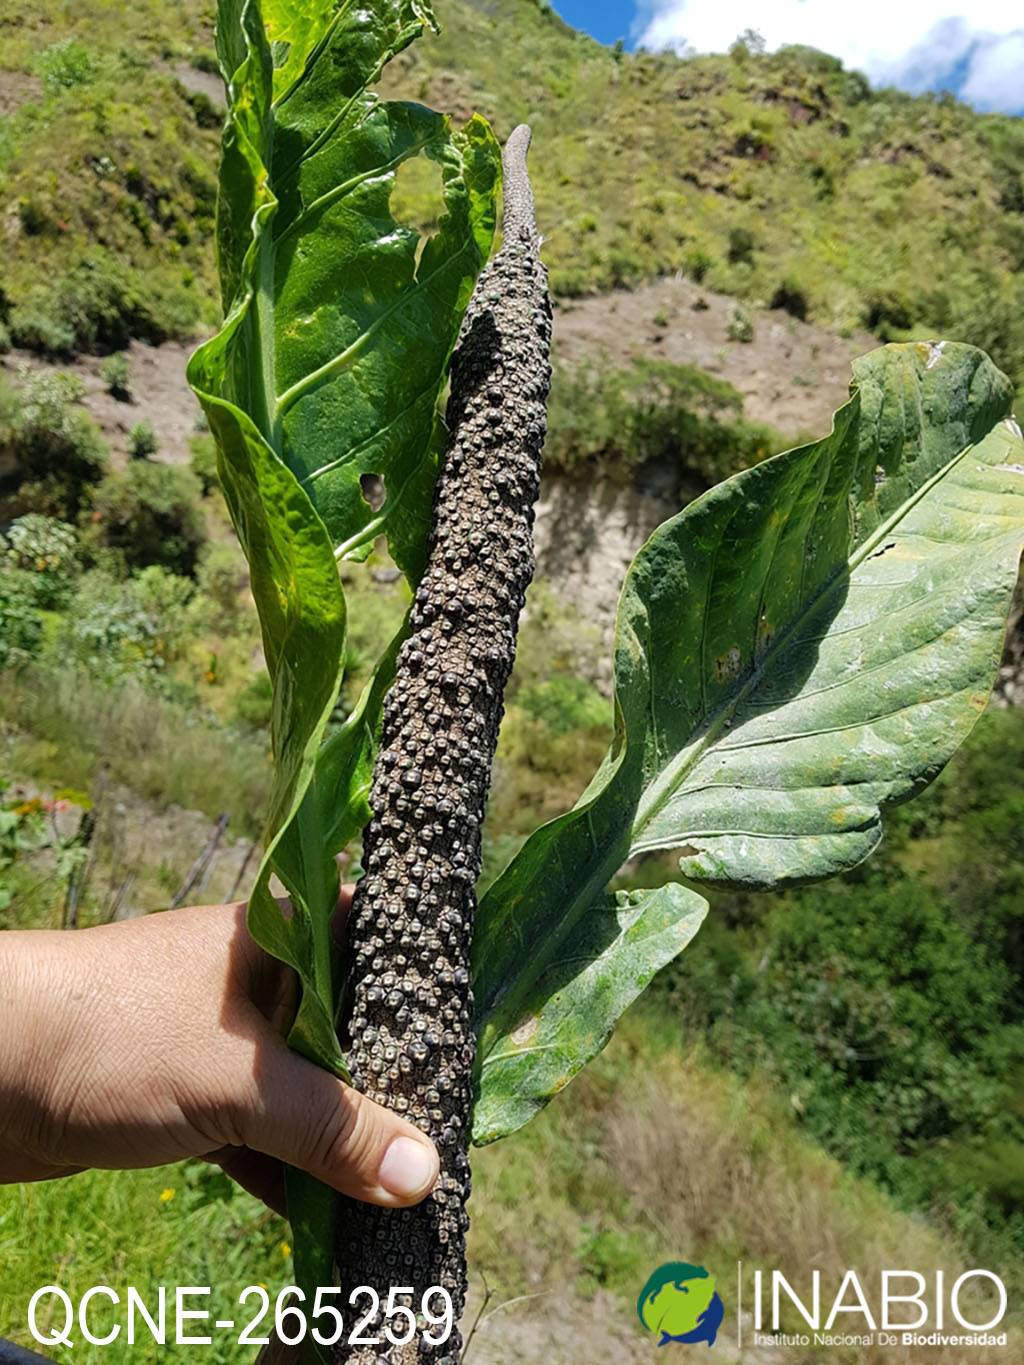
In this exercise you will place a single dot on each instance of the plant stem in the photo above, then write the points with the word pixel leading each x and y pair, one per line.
pixel 408 1001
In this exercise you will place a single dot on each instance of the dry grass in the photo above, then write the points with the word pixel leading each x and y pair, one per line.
pixel 653 1156
pixel 723 1168
pixel 62 728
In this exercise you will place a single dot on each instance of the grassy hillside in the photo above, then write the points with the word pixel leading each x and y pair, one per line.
pixel 776 178
pixel 108 173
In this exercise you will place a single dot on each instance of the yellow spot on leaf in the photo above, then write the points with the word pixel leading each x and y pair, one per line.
pixel 728 665
pixel 166 1196
pixel 522 1034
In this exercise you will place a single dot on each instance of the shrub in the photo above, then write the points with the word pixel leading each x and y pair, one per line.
pixel 55 449
pixel 46 550
pixel 741 326
pixel 888 314
pixel 655 410
pixel 875 1000
pixel 35 326
pixel 116 375
pixel 741 246
pixel 21 625
pixel 108 629
pixel 203 461
pixel 33 218
pixel 888 1002
pixel 149 515
pixel 10 409
pixel 166 598
pixel 222 577
pixel 564 703
pixel 64 65
pixel 254 704
pixel 206 61
pixel 792 298
pixel 142 442
pixel 697 264
pixel 989 315
pixel 207 114
pixel 749 43
pixel 100 304
pixel 128 629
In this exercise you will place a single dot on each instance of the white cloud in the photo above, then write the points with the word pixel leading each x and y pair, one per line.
pixel 917 44
pixel 995 79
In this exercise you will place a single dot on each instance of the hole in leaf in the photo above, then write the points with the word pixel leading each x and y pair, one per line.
pixel 417 199
pixel 374 490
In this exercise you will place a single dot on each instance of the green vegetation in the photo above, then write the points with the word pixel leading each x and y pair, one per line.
pixel 127 1230
pixel 887 1005
pixel 781 178
pixel 620 420
pixel 51 452
pixel 148 515
pixel 824 1026
pixel 109 167
pixel 21 625
pixel 305 404
pixel 786 669
pixel 116 373
pixel 777 685
pixel 741 326
pixel 203 461
pixel 142 442
pixel 67 726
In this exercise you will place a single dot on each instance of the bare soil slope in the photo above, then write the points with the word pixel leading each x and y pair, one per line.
pixel 792 374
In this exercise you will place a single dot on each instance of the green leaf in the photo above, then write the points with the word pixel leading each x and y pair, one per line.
pixel 568 1007
pixel 799 648
pixel 349 317
pixel 330 365
pixel 294 28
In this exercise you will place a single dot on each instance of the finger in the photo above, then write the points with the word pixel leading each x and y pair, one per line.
pixel 260 1175
pixel 304 1116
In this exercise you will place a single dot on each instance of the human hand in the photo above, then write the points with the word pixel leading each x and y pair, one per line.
pixel 145 1042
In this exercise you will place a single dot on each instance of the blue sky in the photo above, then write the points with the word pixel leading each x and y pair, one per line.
pixel 607 20
pixel 976 48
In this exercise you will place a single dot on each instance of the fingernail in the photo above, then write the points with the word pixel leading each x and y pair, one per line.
pixel 409 1168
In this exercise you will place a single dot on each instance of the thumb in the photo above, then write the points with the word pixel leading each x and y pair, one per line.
pixel 308 1118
